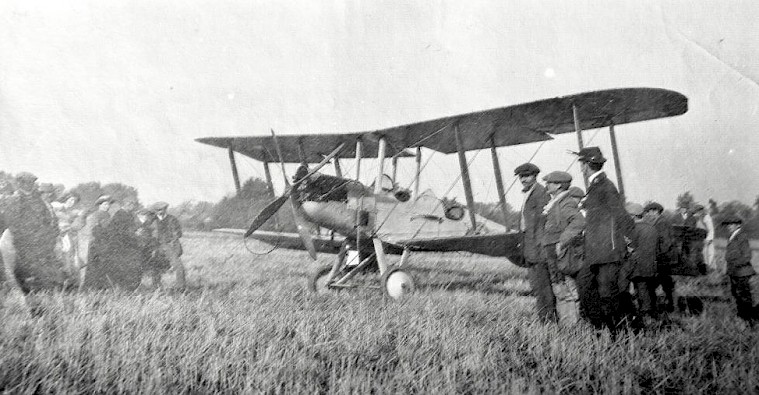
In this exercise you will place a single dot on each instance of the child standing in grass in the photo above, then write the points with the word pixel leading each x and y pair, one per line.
pixel 738 259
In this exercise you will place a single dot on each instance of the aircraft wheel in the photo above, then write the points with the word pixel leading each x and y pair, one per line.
pixel 397 283
pixel 318 281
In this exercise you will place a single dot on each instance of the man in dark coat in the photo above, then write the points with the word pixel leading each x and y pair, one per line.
pixel 738 260
pixel 531 224
pixel 562 238
pixel 666 251
pixel 607 229
pixel 33 231
pixel 168 232
pixel 642 264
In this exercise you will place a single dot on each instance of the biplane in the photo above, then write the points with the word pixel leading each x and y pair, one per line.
pixel 371 221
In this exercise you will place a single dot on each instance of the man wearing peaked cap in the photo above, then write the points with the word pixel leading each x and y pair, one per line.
pixel 731 219
pixel 607 225
pixel 562 243
pixel 591 155
pixel 29 246
pixel 576 192
pixel 634 209
pixel 666 250
pixel 531 224
pixel 526 169
pixel 640 267
pixel 168 232
pixel 739 269
pixel 158 206
pixel 102 199
pixel 558 177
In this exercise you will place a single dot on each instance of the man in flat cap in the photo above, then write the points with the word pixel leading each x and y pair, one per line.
pixel 95 223
pixel 607 226
pixel 641 264
pixel 168 232
pixel 738 260
pixel 531 224
pixel 29 246
pixel 666 251
pixel 562 243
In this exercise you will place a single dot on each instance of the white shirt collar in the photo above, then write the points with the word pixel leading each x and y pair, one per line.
pixel 732 236
pixel 593 176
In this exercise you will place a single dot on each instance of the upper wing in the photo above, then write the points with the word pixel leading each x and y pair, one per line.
pixel 309 147
pixel 512 125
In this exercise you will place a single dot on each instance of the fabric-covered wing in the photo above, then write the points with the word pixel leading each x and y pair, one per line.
pixel 512 125
pixel 529 122
pixel 309 147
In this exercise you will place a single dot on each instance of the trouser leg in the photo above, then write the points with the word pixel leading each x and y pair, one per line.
pixel 645 288
pixel 540 281
pixel 608 290
pixel 668 286
pixel 590 301
pixel 172 252
pixel 740 287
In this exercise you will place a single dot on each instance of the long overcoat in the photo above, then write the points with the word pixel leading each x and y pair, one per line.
pixel 643 258
pixel 738 256
pixel 606 223
pixel 534 220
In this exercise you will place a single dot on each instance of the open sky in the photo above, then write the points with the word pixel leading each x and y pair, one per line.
pixel 117 91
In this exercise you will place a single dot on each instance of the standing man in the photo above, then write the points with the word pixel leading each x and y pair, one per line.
pixel 666 251
pixel 607 229
pixel 642 265
pixel 29 246
pixel 168 232
pixel 705 222
pixel 531 224
pixel 563 231
pixel 739 269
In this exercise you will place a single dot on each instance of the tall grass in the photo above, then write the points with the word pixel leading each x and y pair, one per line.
pixel 247 325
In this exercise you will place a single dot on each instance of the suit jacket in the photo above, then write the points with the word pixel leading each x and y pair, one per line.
pixel 738 256
pixel 534 224
pixel 606 223
pixel 643 257
pixel 666 251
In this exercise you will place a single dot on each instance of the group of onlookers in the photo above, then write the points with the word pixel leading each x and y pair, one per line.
pixel 585 249
pixel 49 243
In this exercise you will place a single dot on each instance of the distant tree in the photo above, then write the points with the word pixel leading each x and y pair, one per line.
pixel 193 214
pixel 685 200
pixel 239 210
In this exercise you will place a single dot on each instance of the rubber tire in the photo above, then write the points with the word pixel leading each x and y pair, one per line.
pixel 317 281
pixel 391 286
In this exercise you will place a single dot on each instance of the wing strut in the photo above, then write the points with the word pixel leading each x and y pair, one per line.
pixel 465 176
pixel 381 151
pixel 578 130
pixel 267 173
pixel 499 182
pixel 418 171
pixel 338 170
pixel 235 175
pixel 615 153
pixel 359 154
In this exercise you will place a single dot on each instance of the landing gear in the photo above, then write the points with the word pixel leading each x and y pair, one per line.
pixel 397 283
pixel 319 281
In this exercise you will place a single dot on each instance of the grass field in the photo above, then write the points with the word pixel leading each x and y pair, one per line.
pixel 247 325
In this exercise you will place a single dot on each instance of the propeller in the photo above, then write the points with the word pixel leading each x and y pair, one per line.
pixel 300 219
